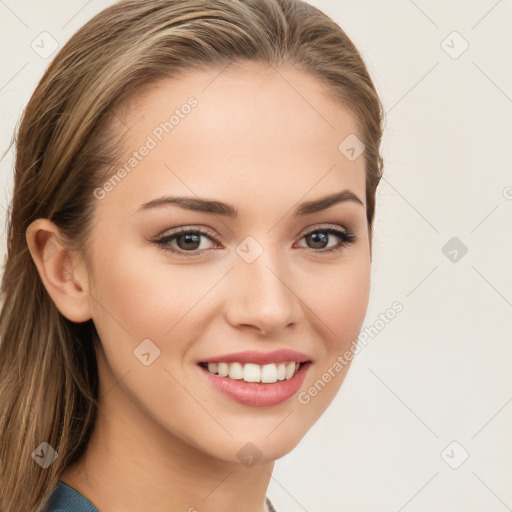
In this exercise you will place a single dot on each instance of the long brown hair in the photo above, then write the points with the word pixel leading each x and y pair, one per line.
pixel 65 149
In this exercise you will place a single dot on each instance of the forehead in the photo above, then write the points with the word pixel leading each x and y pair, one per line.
pixel 248 130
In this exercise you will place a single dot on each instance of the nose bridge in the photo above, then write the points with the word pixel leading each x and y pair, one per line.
pixel 262 290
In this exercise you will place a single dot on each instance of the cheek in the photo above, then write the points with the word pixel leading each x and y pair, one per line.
pixel 339 298
pixel 140 296
pixel 135 287
pixel 351 299
pixel 341 304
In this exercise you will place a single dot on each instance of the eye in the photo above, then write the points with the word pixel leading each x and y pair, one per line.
pixel 188 242
pixel 320 237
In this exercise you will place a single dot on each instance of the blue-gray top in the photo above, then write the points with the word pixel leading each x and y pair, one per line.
pixel 66 499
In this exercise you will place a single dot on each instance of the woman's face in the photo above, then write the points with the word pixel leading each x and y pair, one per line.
pixel 263 144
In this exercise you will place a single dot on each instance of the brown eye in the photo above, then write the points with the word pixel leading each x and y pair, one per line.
pixel 186 242
pixel 319 239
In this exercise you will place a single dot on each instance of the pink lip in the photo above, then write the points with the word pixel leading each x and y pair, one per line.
pixel 253 356
pixel 257 394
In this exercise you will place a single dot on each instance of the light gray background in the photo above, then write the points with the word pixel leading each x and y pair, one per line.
pixel 441 370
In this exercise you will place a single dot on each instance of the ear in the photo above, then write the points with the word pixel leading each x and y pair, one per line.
pixel 60 271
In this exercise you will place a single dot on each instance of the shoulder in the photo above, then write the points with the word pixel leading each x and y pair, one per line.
pixel 66 499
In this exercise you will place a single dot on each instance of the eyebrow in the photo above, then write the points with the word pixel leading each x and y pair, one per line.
pixel 197 204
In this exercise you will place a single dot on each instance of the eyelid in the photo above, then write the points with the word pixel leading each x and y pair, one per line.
pixel 189 227
pixel 322 225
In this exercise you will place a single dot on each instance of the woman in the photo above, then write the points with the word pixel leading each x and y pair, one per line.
pixel 189 250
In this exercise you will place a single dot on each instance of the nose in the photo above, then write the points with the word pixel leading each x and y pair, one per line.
pixel 262 295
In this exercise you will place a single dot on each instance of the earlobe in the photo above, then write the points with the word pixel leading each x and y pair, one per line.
pixel 59 270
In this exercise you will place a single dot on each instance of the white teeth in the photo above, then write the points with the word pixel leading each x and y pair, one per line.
pixel 251 372
pixel 281 371
pixel 223 369
pixel 290 369
pixel 236 371
pixel 269 373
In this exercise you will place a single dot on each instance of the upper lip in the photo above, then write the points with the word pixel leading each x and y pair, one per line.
pixel 254 356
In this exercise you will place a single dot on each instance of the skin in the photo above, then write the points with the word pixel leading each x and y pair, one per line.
pixel 165 439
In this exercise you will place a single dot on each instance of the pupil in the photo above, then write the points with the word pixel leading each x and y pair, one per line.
pixel 319 239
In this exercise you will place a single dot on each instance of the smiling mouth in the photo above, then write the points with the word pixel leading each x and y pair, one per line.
pixel 252 372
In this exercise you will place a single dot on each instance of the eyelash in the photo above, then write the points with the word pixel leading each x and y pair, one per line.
pixel 346 237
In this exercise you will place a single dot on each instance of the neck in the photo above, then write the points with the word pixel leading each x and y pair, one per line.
pixel 132 463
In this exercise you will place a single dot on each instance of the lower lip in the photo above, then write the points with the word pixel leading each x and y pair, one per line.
pixel 257 394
